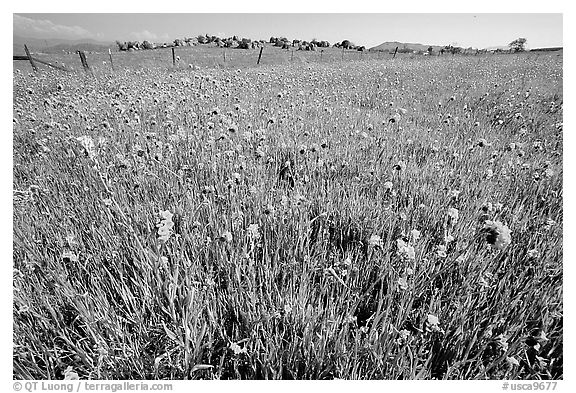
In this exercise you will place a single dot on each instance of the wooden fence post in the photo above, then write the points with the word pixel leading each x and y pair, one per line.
pixel 322 51
pixel 292 55
pixel 395 53
pixel 173 58
pixel 30 58
pixel 342 53
pixel 110 55
pixel 224 52
pixel 259 56
pixel 83 60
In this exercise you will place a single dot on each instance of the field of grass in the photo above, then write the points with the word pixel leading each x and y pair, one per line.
pixel 206 56
pixel 355 220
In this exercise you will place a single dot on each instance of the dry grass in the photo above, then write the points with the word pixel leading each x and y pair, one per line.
pixel 322 288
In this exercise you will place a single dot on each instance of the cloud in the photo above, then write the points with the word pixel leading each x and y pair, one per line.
pixel 43 28
pixel 149 36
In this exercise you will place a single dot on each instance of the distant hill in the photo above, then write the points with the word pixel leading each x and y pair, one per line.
pixel 52 45
pixel 551 49
pixel 390 46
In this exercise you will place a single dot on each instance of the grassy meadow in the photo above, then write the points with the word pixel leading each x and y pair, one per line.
pixel 369 219
pixel 206 56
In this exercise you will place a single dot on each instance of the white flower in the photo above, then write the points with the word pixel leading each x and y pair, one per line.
pixel 441 251
pixel 70 374
pixel 434 323
pixel 254 231
pixel 497 234
pixel 88 145
pixel 404 250
pixel 512 361
pixel 165 226
pixel 453 215
pixel 403 283
pixel 375 241
pixel 532 253
pixel 70 256
pixel 237 349
pixel 415 234
pixel 432 319
pixel 226 236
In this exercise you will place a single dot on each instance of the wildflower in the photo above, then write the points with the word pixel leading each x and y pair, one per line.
pixel 441 251
pixel 165 226
pixel 70 374
pixel 237 349
pixel 532 253
pixel 502 342
pixel 415 234
pixel 400 166
pixel 404 335
pixel 107 202
pixel 269 209
pixel 487 207
pixel 375 241
pixel 70 240
pixel 433 323
pixel 404 250
pixel 88 146
pixel 403 283
pixel 347 262
pixel 69 256
pixel 453 215
pixel 287 309
pixel 226 236
pixel 497 234
pixel 253 231
pixel 388 186
pixel 512 361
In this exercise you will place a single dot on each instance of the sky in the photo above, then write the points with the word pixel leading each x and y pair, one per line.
pixel 479 30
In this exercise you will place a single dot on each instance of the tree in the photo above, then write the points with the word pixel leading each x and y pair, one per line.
pixel 346 44
pixel 518 45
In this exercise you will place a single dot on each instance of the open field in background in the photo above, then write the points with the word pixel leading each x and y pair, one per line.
pixel 296 221
pixel 211 57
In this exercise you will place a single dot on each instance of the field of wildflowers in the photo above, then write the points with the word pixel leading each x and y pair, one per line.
pixel 367 220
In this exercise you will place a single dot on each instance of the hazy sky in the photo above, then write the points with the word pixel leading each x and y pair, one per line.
pixel 476 30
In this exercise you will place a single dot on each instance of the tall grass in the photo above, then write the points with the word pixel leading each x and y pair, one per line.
pixel 295 192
